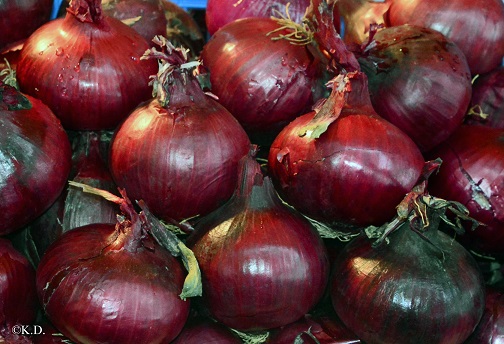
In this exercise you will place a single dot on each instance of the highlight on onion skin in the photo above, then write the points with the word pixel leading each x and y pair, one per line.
pixel 419 81
pixel 263 265
pixel 487 100
pixel 472 173
pixel 408 281
pixel 86 68
pixel 18 297
pixel 353 173
pixel 35 156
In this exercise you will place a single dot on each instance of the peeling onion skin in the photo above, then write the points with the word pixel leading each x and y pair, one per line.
pixel 405 291
pixel 265 84
pixel 419 81
pixel 490 329
pixel 94 293
pixel 472 173
pixel 488 94
pixel 90 75
pixel 262 264
pixel 355 173
pixel 35 156
pixel 18 297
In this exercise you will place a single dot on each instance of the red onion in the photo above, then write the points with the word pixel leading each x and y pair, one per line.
pixel 113 283
pixel 18 296
pixel 476 27
pixel 490 329
pixel 180 151
pixel 262 264
pixel 221 12
pixel 35 158
pixel 264 81
pixel 487 102
pixel 86 67
pixel 200 330
pixel 414 284
pixel 343 164
pixel 419 81
pixel 21 17
pixel 472 173
pixel 158 17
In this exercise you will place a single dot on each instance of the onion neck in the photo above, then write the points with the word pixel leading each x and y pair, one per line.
pixel 87 11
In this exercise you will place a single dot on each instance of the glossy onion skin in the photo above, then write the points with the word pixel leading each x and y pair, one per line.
pixel 95 294
pixel 262 266
pixel 20 18
pixel 221 12
pixel 356 172
pixel 490 329
pixel 476 26
pixel 472 173
pixel 205 330
pixel 407 291
pixel 90 75
pixel 264 83
pixel 419 81
pixel 488 94
pixel 182 161
pixel 18 297
pixel 35 156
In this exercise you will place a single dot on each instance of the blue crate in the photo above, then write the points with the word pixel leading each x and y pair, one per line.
pixel 192 4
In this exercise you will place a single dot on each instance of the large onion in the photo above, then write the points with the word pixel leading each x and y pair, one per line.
pixel 263 265
pixel 342 163
pixel 35 158
pixel 472 173
pixel 105 283
pixel 415 284
pixel 86 67
pixel 419 81
pixel 265 82
pixel 180 151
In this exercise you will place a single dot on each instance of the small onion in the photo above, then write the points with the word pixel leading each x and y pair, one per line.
pixel 105 283
pixel 265 82
pixel 86 67
pixel 487 102
pixel 342 163
pixel 179 152
pixel 18 297
pixel 35 158
pixel 415 284
pixel 199 330
pixel 419 81
pixel 263 265
pixel 472 173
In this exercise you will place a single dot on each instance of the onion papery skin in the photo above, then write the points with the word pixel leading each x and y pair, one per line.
pixel 181 160
pixel 95 291
pixel 472 173
pixel 490 329
pixel 476 26
pixel 219 13
pixel 35 156
pixel 262 264
pixel 407 290
pixel 419 81
pixel 205 330
pixel 18 297
pixel 355 173
pixel 264 83
pixel 20 18
pixel 89 74
pixel 488 95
